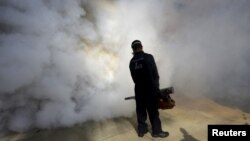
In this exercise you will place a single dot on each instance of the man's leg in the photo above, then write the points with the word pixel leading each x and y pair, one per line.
pixel 155 120
pixel 153 113
pixel 141 117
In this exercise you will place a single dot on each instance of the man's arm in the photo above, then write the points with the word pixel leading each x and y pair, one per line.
pixel 131 73
pixel 156 76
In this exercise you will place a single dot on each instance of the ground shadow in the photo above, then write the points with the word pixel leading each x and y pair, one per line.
pixel 187 136
pixel 246 119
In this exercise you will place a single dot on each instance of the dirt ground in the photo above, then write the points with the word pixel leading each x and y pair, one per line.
pixel 187 121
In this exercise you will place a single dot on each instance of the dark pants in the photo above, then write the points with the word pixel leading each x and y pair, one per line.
pixel 147 103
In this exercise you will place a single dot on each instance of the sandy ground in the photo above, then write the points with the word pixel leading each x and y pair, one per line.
pixel 186 122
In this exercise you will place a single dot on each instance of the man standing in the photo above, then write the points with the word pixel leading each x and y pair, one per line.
pixel 146 78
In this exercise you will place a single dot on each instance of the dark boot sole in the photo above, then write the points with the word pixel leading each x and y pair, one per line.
pixel 158 136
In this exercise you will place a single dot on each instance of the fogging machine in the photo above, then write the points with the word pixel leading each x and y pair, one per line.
pixel 165 101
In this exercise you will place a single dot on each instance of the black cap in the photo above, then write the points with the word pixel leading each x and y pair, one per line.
pixel 136 43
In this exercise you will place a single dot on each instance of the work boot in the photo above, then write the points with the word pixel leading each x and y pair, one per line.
pixel 161 134
pixel 141 133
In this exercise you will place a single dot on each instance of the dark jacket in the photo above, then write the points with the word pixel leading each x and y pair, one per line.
pixel 144 72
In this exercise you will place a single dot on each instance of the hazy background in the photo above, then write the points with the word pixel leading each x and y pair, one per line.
pixel 64 62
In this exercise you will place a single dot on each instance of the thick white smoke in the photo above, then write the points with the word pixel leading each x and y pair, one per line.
pixel 64 62
pixel 211 50
pixel 59 64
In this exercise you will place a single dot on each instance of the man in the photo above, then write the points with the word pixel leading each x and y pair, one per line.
pixel 145 76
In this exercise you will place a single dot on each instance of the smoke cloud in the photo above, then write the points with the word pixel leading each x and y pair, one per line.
pixel 65 62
